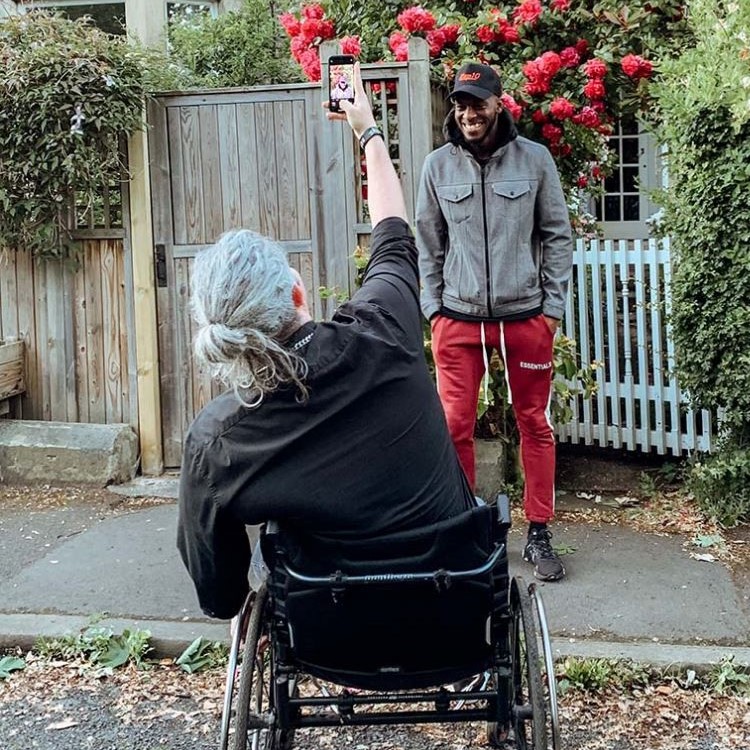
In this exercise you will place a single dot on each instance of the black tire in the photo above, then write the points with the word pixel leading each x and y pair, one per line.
pixel 234 654
pixel 550 681
pixel 249 674
pixel 527 707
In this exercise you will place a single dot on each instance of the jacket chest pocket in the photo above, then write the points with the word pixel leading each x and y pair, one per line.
pixel 513 197
pixel 456 202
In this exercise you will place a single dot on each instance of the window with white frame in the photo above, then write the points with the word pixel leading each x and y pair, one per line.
pixel 625 206
pixel 110 16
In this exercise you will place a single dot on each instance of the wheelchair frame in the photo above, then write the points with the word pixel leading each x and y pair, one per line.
pixel 263 709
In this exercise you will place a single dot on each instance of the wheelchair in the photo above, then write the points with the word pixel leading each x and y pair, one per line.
pixel 435 632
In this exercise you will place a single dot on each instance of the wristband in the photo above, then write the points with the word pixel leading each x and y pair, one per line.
pixel 370 133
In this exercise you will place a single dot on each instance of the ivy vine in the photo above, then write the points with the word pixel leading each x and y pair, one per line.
pixel 68 94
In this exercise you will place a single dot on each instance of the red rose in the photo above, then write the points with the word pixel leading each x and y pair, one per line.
pixel 595 68
pixel 538 117
pixel 535 88
pixel 313 11
pixel 560 5
pixel 550 63
pixel 636 67
pixel 435 41
pixel 582 181
pixel 396 39
pixel 297 46
pixel 561 108
pixel 561 149
pixel 594 89
pixel 327 29
pixel 551 132
pixel 596 172
pixel 507 33
pixel 350 45
pixel 528 12
pixel 450 33
pixel 290 22
pixel 570 58
pixel 587 117
pixel 310 64
pixel 309 29
pixel 416 19
pixel 515 109
pixel 486 34
pixel 582 47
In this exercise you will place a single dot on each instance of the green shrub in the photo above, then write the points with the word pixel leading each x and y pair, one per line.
pixel 721 485
pixel 703 115
pixel 243 48
pixel 68 94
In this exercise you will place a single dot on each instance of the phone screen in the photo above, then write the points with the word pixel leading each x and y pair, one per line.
pixel 340 80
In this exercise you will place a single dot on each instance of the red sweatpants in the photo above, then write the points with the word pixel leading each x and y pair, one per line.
pixel 526 348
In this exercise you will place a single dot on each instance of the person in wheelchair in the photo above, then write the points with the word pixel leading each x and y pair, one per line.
pixel 333 429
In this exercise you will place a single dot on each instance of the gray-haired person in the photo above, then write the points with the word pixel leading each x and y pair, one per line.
pixel 330 428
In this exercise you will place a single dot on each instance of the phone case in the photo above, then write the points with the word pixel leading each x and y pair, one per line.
pixel 340 80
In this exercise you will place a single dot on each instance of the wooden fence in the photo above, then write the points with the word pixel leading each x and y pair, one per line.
pixel 74 320
pixel 617 311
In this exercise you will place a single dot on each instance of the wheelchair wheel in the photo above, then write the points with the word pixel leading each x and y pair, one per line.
pixel 254 695
pixel 549 668
pixel 234 650
pixel 527 709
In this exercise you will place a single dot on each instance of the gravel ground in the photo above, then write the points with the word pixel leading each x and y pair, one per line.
pixel 66 706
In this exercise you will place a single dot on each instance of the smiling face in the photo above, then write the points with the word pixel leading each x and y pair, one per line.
pixel 477 119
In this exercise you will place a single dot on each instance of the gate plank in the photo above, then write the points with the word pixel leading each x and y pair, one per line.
pixel 229 167
pixel 267 178
pixel 213 211
pixel 192 175
pixel 248 159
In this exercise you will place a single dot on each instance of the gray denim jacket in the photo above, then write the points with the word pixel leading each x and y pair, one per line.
pixel 493 241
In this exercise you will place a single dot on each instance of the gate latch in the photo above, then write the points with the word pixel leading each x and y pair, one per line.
pixel 160 265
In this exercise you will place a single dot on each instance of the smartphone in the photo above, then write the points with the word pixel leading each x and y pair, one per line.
pixel 340 80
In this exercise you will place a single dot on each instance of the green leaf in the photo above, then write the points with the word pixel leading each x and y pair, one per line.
pixel 10 664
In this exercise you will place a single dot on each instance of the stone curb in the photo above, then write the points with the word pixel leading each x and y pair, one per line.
pixel 169 638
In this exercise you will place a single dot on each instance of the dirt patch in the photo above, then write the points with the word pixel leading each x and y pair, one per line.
pixel 62 706
pixel 41 497
pixel 597 470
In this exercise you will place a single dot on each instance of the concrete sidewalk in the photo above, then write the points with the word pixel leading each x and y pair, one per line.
pixel 627 594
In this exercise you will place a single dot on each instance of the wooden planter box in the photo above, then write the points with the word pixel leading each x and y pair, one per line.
pixel 12 370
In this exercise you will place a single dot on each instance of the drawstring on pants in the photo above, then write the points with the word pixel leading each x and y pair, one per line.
pixel 486 365
pixel 505 362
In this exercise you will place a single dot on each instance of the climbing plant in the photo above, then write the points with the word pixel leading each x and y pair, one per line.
pixel 68 94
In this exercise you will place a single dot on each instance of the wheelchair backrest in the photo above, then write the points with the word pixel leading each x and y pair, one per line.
pixel 391 634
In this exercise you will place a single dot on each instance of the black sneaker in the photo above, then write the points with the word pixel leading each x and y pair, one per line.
pixel 539 552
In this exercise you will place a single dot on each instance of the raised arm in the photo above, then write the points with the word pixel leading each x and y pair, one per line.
pixel 385 196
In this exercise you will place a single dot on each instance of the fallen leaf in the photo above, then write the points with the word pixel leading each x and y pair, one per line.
pixel 64 724
pixel 703 557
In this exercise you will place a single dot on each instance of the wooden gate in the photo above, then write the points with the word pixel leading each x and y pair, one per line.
pixel 264 159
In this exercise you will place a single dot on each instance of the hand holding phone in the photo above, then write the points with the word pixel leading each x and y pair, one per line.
pixel 340 81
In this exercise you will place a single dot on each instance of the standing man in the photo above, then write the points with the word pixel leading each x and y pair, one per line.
pixel 495 256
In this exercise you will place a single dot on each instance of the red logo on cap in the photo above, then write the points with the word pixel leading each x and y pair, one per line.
pixel 469 76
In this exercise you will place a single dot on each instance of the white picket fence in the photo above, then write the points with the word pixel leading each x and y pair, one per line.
pixel 617 312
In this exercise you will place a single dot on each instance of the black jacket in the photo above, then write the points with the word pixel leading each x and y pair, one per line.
pixel 368 454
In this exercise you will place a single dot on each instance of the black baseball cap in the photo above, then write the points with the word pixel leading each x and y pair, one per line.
pixel 477 80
